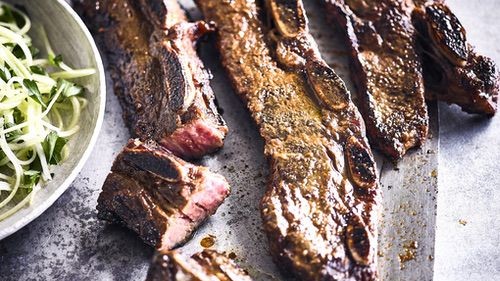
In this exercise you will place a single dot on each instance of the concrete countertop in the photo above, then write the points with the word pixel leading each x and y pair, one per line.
pixel 67 242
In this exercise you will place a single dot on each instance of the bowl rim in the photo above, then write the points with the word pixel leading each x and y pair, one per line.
pixel 38 210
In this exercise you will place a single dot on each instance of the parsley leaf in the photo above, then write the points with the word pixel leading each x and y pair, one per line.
pixel 33 91
pixel 52 147
pixel 55 60
pixel 37 69
pixel 18 52
pixel 3 73
pixel 18 116
pixel 7 15
pixel 69 88
pixel 30 178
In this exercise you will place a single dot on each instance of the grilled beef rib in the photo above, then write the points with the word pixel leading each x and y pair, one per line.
pixel 397 48
pixel 453 72
pixel 161 83
pixel 158 195
pixel 320 208
pixel 386 70
pixel 204 266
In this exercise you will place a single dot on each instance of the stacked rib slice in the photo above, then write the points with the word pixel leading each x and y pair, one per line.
pixel 158 195
pixel 320 208
pixel 169 107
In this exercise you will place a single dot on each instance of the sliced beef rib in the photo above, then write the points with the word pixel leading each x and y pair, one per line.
pixel 158 195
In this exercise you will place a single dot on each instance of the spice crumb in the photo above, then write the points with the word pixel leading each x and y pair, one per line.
pixel 409 253
pixel 434 173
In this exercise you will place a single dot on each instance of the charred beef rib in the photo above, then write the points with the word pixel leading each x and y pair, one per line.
pixel 386 70
pixel 158 195
pixel 161 83
pixel 453 72
pixel 320 208
pixel 204 266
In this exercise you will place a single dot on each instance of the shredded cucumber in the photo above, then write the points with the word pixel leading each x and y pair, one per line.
pixel 39 110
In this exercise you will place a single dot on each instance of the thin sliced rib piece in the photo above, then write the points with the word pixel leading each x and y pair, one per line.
pixel 453 72
pixel 158 195
pixel 320 208
pixel 207 265
pixel 386 70
pixel 160 81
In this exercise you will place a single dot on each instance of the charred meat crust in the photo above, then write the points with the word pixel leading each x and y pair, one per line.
pixel 205 265
pixel 453 72
pixel 386 70
pixel 320 207
pixel 158 195
pixel 161 83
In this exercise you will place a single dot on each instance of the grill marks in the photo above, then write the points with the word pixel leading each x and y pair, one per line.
pixel 307 119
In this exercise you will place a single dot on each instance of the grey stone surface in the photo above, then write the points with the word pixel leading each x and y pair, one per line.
pixel 469 162
pixel 68 243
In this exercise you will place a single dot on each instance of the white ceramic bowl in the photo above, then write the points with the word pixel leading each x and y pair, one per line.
pixel 69 37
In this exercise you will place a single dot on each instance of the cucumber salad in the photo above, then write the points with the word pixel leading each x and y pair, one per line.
pixel 40 106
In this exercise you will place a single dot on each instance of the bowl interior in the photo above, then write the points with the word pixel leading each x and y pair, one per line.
pixel 70 38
